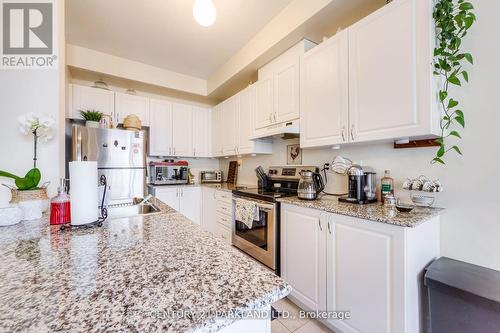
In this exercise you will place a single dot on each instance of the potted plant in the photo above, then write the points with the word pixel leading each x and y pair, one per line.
pixel 31 197
pixel 92 118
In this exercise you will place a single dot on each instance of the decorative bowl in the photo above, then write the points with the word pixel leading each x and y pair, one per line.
pixel 422 200
pixel 404 208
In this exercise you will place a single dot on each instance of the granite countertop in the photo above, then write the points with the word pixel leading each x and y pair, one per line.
pixel 132 274
pixel 372 212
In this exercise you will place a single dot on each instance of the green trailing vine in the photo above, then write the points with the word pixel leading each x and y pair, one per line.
pixel 453 20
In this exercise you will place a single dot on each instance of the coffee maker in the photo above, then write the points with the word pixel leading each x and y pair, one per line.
pixel 362 186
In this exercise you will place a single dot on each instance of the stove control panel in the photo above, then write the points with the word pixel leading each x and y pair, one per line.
pixel 287 172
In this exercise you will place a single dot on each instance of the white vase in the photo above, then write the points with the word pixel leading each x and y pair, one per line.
pixel 32 210
pixel 92 124
pixel 10 215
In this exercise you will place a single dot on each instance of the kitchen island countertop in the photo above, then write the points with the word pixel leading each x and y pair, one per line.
pixel 371 212
pixel 153 273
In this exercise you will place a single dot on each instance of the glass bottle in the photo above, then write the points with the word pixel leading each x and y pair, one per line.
pixel 60 212
pixel 387 185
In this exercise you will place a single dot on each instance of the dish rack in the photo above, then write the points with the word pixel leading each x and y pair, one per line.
pixel 422 190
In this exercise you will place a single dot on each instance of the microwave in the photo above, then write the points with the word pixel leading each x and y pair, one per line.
pixel 211 176
pixel 168 173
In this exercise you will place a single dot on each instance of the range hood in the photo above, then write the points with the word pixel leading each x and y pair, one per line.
pixel 289 127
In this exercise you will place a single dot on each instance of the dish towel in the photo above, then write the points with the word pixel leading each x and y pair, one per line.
pixel 246 212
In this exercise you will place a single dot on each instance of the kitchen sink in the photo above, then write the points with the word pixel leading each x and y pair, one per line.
pixel 132 209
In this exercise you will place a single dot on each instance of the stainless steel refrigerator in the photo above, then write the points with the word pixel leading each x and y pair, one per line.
pixel 120 156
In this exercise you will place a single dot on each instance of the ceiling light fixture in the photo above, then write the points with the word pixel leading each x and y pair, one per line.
pixel 204 12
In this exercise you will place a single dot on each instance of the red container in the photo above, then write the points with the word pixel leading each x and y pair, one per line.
pixel 60 212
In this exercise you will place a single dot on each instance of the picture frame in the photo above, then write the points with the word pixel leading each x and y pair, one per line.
pixel 293 155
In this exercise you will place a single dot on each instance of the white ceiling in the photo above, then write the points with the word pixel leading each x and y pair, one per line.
pixel 163 33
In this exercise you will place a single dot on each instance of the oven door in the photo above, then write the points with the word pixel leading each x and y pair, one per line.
pixel 260 240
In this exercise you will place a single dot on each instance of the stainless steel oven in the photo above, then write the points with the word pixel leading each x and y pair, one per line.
pixel 261 240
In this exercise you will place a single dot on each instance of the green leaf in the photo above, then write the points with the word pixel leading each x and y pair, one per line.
pixel 460 120
pixel 466 76
pixel 440 151
pixel 35 176
pixel 457 149
pixel 466 6
pixel 440 141
pixel 437 160
pixel 443 95
pixel 459 113
pixel 452 103
pixel 455 133
pixel 8 175
pixel 469 58
pixel 454 80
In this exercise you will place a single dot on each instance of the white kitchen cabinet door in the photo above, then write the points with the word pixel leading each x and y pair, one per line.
pixel 383 77
pixel 246 117
pixel 132 104
pixel 324 94
pixel 264 102
pixel 160 130
pixel 217 119
pixel 182 130
pixel 202 132
pixel 169 195
pixel 88 98
pixel 286 89
pixel 365 275
pixel 303 255
pixel 190 203
pixel 208 209
pixel 230 127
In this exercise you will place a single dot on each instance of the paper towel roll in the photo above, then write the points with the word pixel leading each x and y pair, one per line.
pixel 83 186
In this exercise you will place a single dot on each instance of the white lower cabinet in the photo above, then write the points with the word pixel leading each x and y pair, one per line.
pixel 185 200
pixel 373 270
pixel 303 256
pixel 169 196
pixel 208 209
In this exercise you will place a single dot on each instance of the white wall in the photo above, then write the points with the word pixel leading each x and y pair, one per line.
pixel 471 224
pixel 23 91
pixel 39 91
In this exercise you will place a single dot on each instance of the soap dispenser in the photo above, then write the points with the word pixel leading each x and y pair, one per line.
pixel 60 212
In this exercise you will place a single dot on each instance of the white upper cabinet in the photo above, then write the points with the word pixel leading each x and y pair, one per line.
pixel 182 130
pixel 217 120
pixel 264 102
pixel 391 91
pixel 286 87
pixel 88 98
pixel 324 94
pixel 202 125
pixel 230 125
pixel 278 89
pixel 160 131
pixel 245 119
pixel 127 104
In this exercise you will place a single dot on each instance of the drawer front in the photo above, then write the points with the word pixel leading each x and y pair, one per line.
pixel 224 220
pixel 225 208
pixel 224 196
pixel 224 233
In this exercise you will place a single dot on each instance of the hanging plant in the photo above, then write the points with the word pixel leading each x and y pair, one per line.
pixel 453 20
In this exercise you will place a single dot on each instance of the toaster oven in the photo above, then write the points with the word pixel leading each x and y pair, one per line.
pixel 211 176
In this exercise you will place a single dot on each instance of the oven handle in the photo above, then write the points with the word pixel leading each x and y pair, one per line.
pixel 266 207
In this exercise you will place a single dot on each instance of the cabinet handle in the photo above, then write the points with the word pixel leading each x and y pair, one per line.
pixel 275 118
pixel 352 132
pixel 329 229
pixel 194 151
pixel 320 227
pixel 343 133
pixel 177 194
pixel 270 117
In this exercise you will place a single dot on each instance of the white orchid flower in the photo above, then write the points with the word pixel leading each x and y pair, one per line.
pixel 32 123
